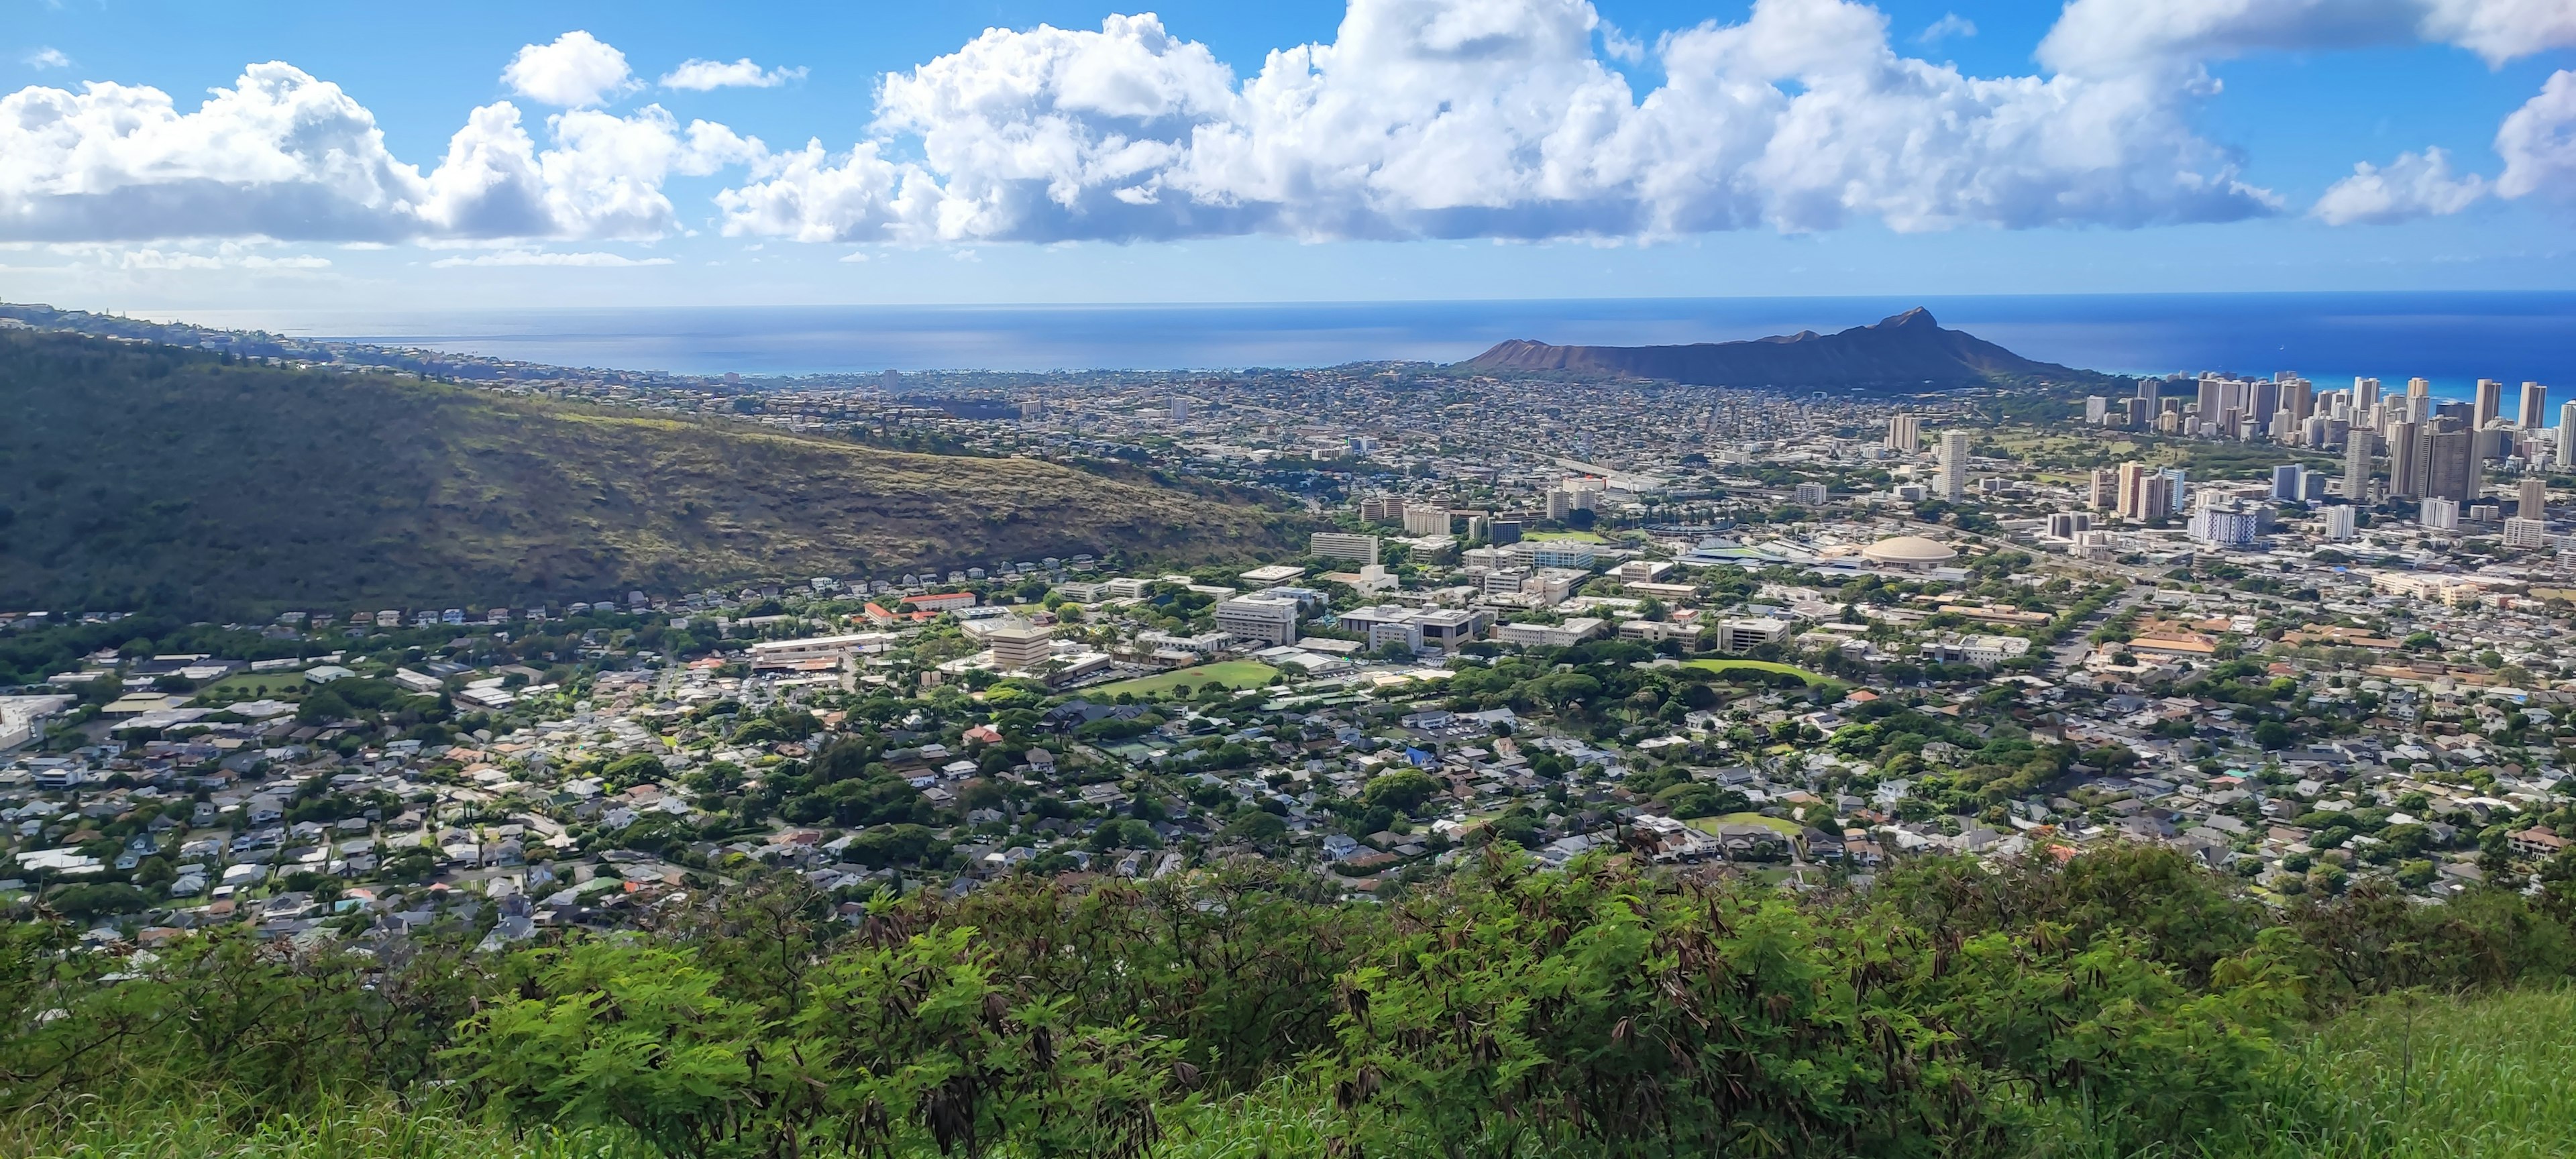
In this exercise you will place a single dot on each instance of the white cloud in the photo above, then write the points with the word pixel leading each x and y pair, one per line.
pixel 2415 185
pixel 1460 118
pixel 2501 30
pixel 2097 36
pixel 592 260
pixel 45 58
pixel 2538 143
pixel 284 155
pixel 702 75
pixel 1950 24
pixel 575 71
pixel 279 154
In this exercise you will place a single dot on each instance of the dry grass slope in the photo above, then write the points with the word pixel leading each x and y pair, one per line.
pixel 134 475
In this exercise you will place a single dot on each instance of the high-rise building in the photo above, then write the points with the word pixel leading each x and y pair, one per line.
pixel 2406 459
pixel 2339 523
pixel 2069 524
pixel 1904 433
pixel 2357 449
pixel 2489 405
pixel 2220 527
pixel 2095 408
pixel 2439 514
pixel 2451 465
pixel 1426 519
pixel 1952 482
pixel 2299 397
pixel 2535 407
pixel 2145 493
pixel 2521 532
pixel 2365 394
pixel 2567 434
pixel 2534 496
pixel 1180 410
pixel 2285 482
pixel 2106 488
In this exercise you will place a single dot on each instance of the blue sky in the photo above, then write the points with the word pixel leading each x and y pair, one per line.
pixel 1432 149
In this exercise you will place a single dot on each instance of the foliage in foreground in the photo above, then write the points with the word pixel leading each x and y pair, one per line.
pixel 2123 1004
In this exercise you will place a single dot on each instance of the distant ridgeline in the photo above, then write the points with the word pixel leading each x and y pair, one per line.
pixel 136 475
pixel 1906 353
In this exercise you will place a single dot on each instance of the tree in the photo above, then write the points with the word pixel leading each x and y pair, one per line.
pixel 1403 790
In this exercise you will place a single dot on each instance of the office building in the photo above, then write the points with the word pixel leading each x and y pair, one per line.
pixel 1952 482
pixel 2096 408
pixel 1904 433
pixel 2535 407
pixel 2357 448
pixel 2286 482
pixel 2438 514
pixel 2069 524
pixel 1020 647
pixel 2339 522
pixel 2489 404
pixel 2534 498
pixel 1266 619
pixel 1503 531
pixel 1744 635
pixel 1360 549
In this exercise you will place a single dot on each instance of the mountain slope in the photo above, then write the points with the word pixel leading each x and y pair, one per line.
pixel 134 475
pixel 1909 351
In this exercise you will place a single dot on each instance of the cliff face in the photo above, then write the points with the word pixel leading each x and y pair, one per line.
pixel 1909 351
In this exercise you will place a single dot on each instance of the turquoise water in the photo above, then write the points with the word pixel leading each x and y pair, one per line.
pixel 2451 338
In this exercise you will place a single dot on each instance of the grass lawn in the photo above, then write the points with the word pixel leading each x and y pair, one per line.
pixel 254 686
pixel 1232 673
pixel 1780 825
pixel 1722 667
pixel 1577 536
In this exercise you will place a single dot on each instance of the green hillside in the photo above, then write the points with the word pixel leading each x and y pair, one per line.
pixel 134 475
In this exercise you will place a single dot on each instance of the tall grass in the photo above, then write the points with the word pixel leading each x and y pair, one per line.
pixel 2409 1077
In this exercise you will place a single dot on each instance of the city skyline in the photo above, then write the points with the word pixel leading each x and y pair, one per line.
pixel 1038 152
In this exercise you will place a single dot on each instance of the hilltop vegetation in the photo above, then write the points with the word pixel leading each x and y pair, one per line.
pixel 2125 1003
pixel 155 476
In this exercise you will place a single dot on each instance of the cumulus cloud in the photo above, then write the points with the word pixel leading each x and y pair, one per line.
pixel 45 58
pixel 1457 118
pixel 279 154
pixel 575 71
pixel 284 155
pixel 2098 36
pixel 2415 185
pixel 2538 143
pixel 592 260
pixel 703 75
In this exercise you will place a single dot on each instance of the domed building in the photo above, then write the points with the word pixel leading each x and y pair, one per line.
pixel 1908 552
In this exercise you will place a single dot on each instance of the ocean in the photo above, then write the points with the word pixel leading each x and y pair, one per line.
pixel 2451 338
